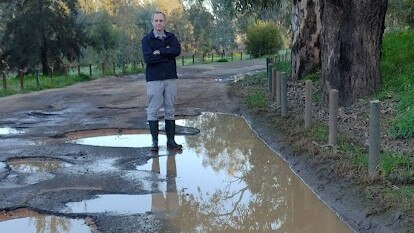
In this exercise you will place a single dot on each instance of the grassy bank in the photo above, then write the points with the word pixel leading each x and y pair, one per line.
pixel 57 81
pixel 394 190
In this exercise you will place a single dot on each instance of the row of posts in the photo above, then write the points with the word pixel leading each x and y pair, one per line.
pixel 205 57
pixel 21 73
pixel 278 83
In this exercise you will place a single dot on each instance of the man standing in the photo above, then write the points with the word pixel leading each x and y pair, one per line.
pixel 160 48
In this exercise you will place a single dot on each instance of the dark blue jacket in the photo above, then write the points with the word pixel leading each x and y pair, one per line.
pixel 162 66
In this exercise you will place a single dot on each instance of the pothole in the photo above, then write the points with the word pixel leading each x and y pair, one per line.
pixel 28 221
pixel 8 131
pixel 125 204
pixel 34 165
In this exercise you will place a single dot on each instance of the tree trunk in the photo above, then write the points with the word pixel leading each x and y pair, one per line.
pixel 44 58
pixel 352 35
pixel 306 30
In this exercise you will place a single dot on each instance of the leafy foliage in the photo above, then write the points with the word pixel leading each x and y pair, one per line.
pixel 263 38
pixel 43 31
pixel 397 79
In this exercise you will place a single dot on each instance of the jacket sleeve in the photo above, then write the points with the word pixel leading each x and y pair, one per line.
pixel 150 58
pixel 174 50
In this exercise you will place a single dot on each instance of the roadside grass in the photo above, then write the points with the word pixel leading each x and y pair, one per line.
pixel 397 70
pixel 58 81
pixel 395 187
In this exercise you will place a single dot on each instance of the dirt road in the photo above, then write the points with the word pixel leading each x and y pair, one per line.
pixel 37 126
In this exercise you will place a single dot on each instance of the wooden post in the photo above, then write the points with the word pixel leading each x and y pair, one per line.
pixel 90 70
pixel 135 65
pixel 37 77
pixel 123 68
pixel 283 92
pixel 193 58
pixel 231 56
pixel 4 74
pixel 203 57
pixel 333 116
pixel 308 103
pixel 274 84
pixel 212 57
pixel 113 68
pixel 269 77
pixel 52 78
pixel 142 64
pixel 103 69
pixel 79 70
pixel 182 60
pixel 241 56
pixel 278 89
pixel 21 77
pixel 374 138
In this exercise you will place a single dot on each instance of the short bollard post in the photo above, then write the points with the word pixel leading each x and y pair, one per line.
pixel 142 64
pixel 135 65
pixel 374 138
pixel 113 68
pixel 37 76
pixel 203 57
pixel 21 77
pixel 333 116
pixel 182 60
pixel 193 58
pixel 51 76
pixel 212 57
pixel 241 56
pixel 90 70
pixel 79 70
pixel 273 84
pixel 278 85
pixel 4 74
pixel 283 97
pixel 308 103
pixel 269 77
pixel 103 69
pixel 231 56
pixel 123 68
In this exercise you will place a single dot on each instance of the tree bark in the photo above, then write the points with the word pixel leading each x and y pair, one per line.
pixel 306 30
pixel 351 37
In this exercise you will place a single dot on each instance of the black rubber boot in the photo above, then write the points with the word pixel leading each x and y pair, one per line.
pixel 170 131
pixel 153 125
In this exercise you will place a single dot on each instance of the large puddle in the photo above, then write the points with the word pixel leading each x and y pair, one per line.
pixel 26 221
pixel 225 180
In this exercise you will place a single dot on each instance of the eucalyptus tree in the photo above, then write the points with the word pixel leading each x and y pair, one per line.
pixel 202 21
pixel 224 33
pixel 345 35
pixel 44 31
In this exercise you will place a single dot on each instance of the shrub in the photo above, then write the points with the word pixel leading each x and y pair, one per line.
pixel 263 38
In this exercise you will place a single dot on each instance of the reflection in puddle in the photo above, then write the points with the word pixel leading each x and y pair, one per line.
pixel 126 140
pixel 31 222
pixel 7 131
pixel 36 165
pixel 125 204
pixel 225 180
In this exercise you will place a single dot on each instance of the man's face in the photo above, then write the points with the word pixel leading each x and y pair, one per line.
pixel 158 22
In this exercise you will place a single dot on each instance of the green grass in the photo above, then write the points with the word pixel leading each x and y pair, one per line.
pixel 397 70
pixel 257 100
pixel 58 81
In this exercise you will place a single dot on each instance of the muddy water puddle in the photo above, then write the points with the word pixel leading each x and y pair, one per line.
pixel 31 222
pixel 32 165
pixel 225 180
